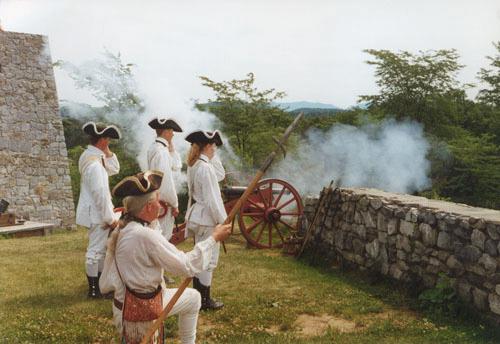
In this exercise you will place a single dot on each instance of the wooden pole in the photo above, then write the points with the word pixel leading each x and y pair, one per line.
pixel 324 195
pixel 158 322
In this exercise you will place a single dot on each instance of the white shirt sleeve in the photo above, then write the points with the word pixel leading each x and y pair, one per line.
pixel 175 158
pixel 160 161
pixel 211 194
pixel 110 279
pixel 112 165
pixel 178 262
pixel 220 172
pixel 99 191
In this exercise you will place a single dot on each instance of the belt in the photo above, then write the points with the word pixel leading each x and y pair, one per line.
pixel 145 296
pixel 118 304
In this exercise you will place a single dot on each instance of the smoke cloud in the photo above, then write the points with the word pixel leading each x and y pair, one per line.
pixel 390 156
pixel 158 100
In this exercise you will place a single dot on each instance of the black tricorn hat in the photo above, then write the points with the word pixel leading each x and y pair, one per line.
pixel 101 130
pixel 165 123
pixel 201 136
pixel 139 184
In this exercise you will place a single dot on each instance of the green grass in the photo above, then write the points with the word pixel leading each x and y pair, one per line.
pixel 43 300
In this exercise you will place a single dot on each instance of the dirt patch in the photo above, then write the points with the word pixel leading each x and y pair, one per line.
pixel 273 329
pixel 316 325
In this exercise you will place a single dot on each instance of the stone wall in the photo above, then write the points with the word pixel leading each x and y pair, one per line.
pixel 412 240
pixel 34 174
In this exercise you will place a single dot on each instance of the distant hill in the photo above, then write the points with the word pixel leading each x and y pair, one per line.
pixel 292 106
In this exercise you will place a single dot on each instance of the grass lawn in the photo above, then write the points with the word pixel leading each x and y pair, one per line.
pixel 269 298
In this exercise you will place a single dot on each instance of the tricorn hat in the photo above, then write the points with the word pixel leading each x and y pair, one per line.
pixel 165 123
pixel 101 130
pixel 201 136
pixel 139 184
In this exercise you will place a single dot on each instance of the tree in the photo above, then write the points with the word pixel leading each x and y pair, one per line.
pixel 247 116
pixel 422 87
pixel 111 81
pixel 474 176
pixel 491 95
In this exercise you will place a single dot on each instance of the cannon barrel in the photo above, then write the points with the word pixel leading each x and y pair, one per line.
pixel 237 191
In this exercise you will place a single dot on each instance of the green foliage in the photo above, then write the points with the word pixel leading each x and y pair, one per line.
pixel 474 177
pixel 464 135
pixel 111 81
pixel 491 77
pixel 421 87
pixel 441 298
pixel 247 117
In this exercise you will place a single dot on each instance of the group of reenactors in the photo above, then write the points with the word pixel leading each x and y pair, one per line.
pixel 129 257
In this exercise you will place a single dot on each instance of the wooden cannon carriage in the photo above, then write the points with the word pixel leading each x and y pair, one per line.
pixel 270 218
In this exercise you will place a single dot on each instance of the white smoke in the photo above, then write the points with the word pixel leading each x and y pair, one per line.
pixel 159 100
pixel 390 156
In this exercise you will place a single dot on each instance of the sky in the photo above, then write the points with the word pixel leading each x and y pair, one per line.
pixel 312 50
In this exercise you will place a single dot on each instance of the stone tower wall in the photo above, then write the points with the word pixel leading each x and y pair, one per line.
pixel 34 174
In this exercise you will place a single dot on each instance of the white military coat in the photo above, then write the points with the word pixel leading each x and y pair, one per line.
pixel 94 205
pixel 203 184
pixel 161 159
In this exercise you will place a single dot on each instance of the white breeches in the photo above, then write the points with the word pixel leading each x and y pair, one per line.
pixel 96 249
pixel 201 233
pixel 187 307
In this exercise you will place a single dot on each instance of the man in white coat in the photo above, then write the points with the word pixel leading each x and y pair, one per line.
pixel 163 157
pixel 95 208
pixel 136 258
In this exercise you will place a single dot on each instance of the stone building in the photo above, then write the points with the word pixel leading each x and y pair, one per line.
pixel 34 173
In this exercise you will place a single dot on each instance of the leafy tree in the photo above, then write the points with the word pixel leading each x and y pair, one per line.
pixel 422 87
pixel 491 95
pixel 247 116
pixel 110 81
pixel 474 176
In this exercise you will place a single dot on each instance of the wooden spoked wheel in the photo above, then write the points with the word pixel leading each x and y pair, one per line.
pixel 271 215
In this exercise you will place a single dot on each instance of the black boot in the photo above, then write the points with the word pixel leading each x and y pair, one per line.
pixel 206 301
pixel 94 292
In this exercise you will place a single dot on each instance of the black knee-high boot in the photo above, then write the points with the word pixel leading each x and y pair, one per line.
pixel 94 292
pixel 206 301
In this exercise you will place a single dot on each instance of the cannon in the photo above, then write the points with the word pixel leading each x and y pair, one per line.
pixel 270 217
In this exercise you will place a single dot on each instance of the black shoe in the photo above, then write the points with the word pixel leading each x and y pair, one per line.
pixel 211 304
pixel 94 292
pixel 207 303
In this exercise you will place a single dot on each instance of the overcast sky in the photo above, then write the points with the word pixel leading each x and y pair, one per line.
pixel 312 50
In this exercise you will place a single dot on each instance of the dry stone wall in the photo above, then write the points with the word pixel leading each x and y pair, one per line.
pixel 412 240
pixel 34 174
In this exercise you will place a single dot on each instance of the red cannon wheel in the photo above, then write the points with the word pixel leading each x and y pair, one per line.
pixel 271 215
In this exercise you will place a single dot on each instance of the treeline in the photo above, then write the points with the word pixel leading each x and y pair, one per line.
pixel 464 133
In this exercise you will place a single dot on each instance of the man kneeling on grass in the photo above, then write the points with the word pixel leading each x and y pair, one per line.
pixel 137 257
